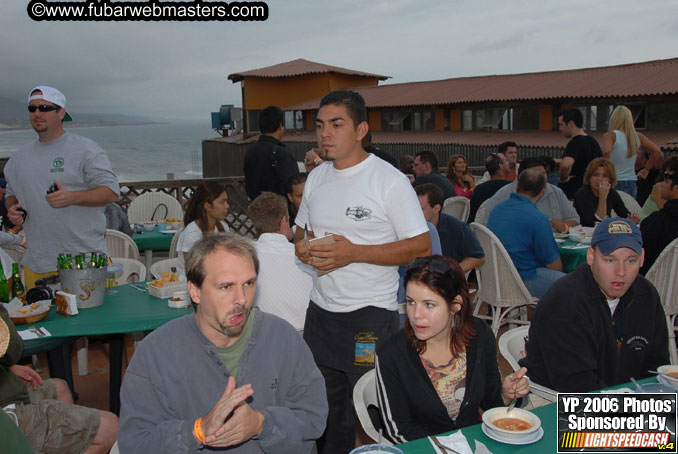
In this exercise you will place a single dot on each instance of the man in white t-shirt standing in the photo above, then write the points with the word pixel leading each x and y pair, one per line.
pixel 374 215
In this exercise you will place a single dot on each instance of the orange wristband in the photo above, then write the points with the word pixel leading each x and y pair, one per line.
pixel 197 430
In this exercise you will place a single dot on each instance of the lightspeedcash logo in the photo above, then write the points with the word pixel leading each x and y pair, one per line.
pixel 151 10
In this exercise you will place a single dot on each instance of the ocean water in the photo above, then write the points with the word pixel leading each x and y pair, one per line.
pixel 140 152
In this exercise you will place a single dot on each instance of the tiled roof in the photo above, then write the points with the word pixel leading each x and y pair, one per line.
pixel 666 140
pixel 299 67
pixel 659 77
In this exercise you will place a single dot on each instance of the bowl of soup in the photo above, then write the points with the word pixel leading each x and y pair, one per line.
pixel 669 373
pixel 514 425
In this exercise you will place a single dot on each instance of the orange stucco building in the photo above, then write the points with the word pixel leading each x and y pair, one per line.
pixel 291 83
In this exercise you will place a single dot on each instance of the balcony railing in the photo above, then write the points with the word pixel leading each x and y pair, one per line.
pixel 182 190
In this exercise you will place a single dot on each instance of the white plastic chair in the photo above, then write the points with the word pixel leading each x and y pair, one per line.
pixel 132 271
pixel 364 395
pixel 457 206
pixel 154 206
pixel 511 343
pixel 173 245
pixel 15 252
pixel 662 274
pixel 629 202
pixel 482 214
pixel 161 266
pixel 499 284
pixel 121 245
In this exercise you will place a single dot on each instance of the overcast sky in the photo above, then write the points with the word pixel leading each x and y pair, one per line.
pixel 179 69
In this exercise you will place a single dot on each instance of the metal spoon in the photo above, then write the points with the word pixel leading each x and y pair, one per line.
pixel 638 385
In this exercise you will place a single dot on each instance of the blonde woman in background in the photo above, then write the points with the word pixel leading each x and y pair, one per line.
pixel 621 145
pixel 458 174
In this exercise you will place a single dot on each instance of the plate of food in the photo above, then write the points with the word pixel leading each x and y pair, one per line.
pixel 560 236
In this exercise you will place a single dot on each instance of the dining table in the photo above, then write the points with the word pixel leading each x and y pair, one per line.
pixel 149 241
pixel 548 415
pixel 129 310
pixel 572 254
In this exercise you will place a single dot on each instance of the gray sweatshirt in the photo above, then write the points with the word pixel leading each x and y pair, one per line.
pixel 176 376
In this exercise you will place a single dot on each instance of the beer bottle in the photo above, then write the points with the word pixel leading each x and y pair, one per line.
pixel 78 262
pixel 4 288
pixel 102 261
pixel 17 286
pixel 93 260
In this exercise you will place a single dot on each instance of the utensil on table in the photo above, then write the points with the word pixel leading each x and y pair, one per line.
pixel 441 446
pixel 638 385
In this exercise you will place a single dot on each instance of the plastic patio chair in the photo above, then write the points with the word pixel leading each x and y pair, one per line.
pixel 629 202
pixel 121 245
pixel 132 271
pixel 457 206
pixel 499 284
pixel 481 214
pixel 364 396
pixel 173 245
pixel 511 343
pixel 154 206
pixel 161 266
pixel 662 274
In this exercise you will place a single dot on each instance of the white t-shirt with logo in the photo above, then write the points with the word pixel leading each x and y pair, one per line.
pixel 371 203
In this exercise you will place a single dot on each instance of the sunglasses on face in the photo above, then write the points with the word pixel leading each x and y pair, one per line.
pixel 436 265
pixel 668 176
pixel 42 108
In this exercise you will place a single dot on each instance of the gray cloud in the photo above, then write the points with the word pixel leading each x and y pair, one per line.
pixel 179 69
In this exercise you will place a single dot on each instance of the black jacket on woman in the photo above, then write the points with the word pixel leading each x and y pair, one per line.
pixel 586 204
pixel 408 402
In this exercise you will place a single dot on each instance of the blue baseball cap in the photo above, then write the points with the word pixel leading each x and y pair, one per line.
pixel 613 233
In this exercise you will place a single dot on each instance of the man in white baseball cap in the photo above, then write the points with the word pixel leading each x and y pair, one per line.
pixel 57 187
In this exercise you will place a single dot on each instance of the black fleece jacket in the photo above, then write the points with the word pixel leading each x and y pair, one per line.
pixel 573 344
pixel 409 404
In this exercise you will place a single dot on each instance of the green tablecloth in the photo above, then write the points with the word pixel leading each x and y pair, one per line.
pixel 127 311
pixel 548 443
pixel 571 258
pixel 153 240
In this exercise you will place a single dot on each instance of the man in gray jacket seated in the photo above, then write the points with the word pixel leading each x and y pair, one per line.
pixel 228 376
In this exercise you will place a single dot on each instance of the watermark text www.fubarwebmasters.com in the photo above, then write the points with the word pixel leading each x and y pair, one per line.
pixel 151 10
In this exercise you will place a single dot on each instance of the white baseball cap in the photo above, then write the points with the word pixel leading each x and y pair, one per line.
pixel 52 95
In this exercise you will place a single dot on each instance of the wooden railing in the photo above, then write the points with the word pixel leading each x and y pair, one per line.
pixel 182 190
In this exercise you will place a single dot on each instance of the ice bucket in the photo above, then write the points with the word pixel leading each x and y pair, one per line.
pixel 88 285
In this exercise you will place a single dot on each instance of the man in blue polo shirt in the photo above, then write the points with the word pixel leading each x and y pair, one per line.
pixel 526 234
pixel 456 238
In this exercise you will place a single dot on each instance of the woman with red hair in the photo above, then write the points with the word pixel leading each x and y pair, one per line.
pixel 440 370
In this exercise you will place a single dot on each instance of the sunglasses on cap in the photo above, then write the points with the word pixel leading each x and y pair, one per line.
pixel 42 108
pixel 668 176
pixel 434 264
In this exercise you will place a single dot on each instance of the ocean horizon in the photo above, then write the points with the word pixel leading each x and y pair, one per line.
pixel 145 152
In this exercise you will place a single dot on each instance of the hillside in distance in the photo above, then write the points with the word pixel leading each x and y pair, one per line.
pixel 13 115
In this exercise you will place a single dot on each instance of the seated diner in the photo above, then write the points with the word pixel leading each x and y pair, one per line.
pixel 205 214
pixel 597 198
pixel 441 369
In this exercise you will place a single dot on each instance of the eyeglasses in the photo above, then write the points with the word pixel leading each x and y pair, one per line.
pixel 668 176
pixel 42 108
pixel 434 264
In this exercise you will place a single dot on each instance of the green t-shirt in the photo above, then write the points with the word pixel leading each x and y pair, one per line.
pixel 231 355
pixel 12 438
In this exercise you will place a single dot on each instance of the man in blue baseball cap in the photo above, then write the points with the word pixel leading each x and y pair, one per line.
pixel 602 323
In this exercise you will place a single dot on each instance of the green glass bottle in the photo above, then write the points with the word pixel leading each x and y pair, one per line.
pixel 17 286
pixel 4 288
pixel 93 260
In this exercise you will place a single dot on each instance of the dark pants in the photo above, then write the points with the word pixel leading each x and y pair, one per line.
pixel 343 346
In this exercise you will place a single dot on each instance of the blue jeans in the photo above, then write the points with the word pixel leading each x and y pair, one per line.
pixel 540 284
pixel 628 186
